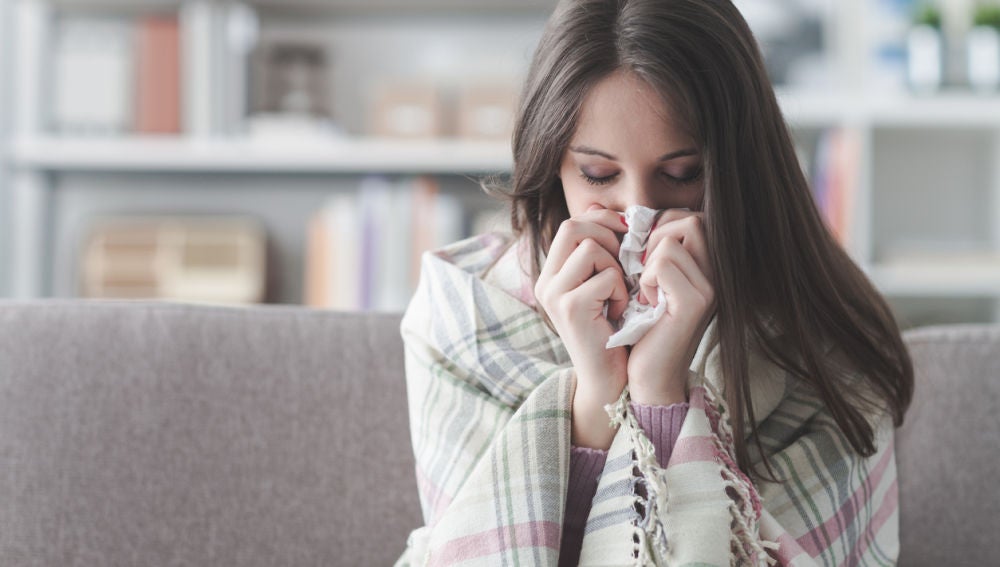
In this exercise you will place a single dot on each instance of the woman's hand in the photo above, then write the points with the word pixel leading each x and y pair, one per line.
pixel 580 274
pixel 677 261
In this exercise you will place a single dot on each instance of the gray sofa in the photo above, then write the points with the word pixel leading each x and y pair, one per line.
pixel 168 434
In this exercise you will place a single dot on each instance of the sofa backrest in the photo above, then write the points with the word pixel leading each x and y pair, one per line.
pixel 948 449
pixel 150 433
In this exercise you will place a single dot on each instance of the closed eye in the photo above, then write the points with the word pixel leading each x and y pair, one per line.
pixel 686 179
pixel 598 180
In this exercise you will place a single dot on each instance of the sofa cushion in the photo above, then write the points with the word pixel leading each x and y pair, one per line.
pixel 948 449
pixel 158 433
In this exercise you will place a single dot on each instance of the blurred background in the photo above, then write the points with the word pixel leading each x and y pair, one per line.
pixel 307 151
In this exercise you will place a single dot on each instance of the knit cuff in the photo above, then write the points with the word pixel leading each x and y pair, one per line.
pixel 585 466
pixel 662 425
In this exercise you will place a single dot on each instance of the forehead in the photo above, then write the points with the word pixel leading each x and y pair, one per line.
pixel 623 107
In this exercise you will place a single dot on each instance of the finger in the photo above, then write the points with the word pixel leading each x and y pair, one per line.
pixel 613 220
pixel 677 289
pixel 647 294
pixel 607 285
pixel 675 252
pixel 588 259
pixel 573 231
pixel 687 228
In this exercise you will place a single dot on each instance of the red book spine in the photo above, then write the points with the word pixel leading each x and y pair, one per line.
pixel 158 74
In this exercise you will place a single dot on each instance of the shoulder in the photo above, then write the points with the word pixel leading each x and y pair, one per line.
pixel 475 253
pixel 498 258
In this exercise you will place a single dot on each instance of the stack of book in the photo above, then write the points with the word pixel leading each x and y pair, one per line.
pixel 364 246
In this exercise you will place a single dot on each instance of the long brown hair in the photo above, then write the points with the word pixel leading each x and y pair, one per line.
pixel 778 266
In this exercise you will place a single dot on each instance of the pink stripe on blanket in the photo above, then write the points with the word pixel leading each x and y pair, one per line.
pixel 833 527
pixel 695 448
pixel 878 520
pixel 696 398
pixel 526 535
pixel 436 498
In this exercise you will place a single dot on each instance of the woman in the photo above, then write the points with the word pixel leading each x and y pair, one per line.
pixel 751 424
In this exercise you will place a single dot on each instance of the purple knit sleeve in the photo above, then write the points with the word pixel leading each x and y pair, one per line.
pixel 585 467
pixel 662 424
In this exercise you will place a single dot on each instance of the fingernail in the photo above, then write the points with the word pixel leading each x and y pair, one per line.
pixel 623 220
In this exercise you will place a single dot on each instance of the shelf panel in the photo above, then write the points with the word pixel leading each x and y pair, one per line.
pixel 813 109
pixel 132 153
pixel 277 156
pixel 980 279
pixel 960 109
pixel 956 109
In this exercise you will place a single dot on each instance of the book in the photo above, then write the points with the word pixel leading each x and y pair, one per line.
pixel 158 75
pixel 363 247
pixel 394 288
pixel 344 227
pixel 92 76
pixel 317 268
pixel 374 195
pixel 422 215
pixel 835 180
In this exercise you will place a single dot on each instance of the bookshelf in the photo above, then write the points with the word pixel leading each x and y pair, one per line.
pixel 923 174
pixel 215 162
pixel 355 156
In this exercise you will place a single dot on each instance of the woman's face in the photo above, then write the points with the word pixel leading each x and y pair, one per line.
pixel 628 149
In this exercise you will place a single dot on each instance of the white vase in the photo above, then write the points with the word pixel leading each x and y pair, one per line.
pixel 925 57
pixel 983 57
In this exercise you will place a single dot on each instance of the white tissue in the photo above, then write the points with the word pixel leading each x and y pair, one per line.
pixel 637 318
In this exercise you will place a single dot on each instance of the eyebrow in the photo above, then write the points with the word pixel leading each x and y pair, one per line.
pixel 665 157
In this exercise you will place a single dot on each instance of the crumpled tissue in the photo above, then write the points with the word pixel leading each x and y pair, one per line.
pixel 637 318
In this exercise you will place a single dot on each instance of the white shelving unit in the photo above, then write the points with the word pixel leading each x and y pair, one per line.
pixel 182 155
pixel 45 166
pixel 924 161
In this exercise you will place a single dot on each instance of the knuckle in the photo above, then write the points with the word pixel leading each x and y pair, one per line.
pixel 569 226
pixel 702 299
pixel 653 240
pixel 657 264
pixel 589 245
pixel 670 215
pixel 569 303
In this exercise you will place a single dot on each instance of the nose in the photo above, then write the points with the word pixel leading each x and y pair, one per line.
pixel 641 190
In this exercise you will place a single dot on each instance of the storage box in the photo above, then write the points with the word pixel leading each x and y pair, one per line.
pixel 406 110
pixel 200 259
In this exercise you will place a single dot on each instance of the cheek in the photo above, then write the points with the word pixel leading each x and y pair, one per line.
pixel 578 200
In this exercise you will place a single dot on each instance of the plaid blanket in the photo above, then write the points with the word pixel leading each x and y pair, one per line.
pixel 490 389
